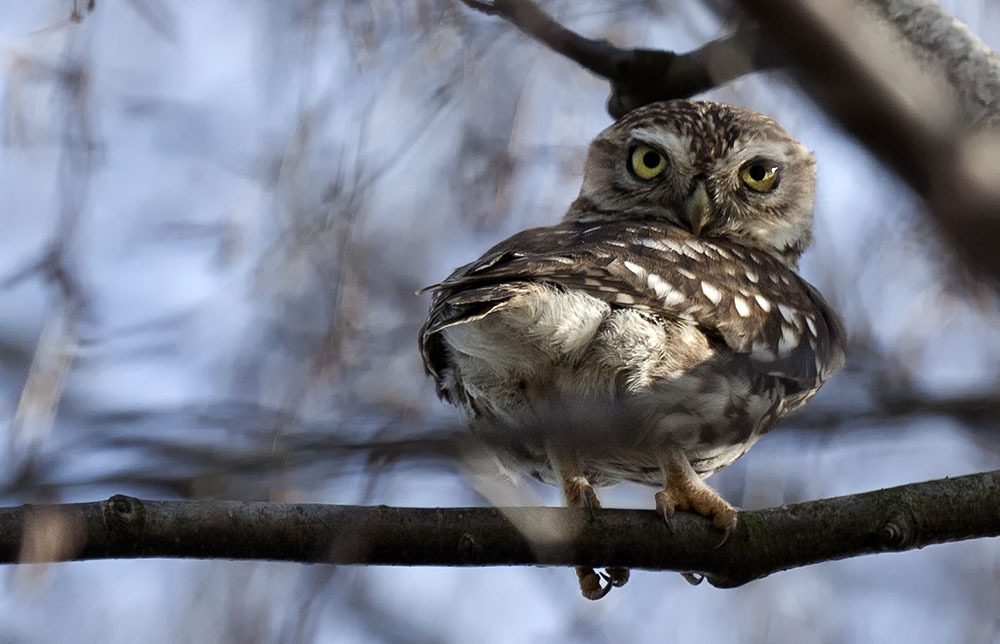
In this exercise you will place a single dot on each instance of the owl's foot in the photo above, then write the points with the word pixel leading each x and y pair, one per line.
pixel 617 576
pixel 580 493
pixel 590 583
pixel 686 491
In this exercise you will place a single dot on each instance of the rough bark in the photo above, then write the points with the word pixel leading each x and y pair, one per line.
pixel 764 542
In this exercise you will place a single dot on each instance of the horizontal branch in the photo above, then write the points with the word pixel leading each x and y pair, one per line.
pixel 764 542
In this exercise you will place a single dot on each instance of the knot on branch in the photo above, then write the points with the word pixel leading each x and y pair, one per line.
pixel 898 531
pixel 643 76
pixel 124 515
pixel 469 550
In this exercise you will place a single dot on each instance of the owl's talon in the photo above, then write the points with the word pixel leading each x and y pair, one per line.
pixel 693 578
pixel 590 501
pixel 686 491
pixel 590 583
pixel 617 576
pixel 729 529
pixel 664 510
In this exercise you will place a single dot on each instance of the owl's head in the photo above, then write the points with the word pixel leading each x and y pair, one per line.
pixel 715 170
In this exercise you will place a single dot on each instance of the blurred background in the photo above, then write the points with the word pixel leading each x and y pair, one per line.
pixel 214 219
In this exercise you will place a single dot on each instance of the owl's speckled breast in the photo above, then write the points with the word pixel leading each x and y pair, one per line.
pixel 619 383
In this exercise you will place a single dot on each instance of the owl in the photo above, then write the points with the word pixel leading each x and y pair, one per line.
pixel 656 332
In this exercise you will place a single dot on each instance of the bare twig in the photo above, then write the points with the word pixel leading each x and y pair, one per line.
pixel 765 541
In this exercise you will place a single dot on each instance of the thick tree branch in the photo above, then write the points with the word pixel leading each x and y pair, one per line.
pixel 765 541
pixel 641 76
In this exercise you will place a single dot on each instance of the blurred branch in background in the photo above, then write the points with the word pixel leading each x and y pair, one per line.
pixel 57 346
pixel 764 542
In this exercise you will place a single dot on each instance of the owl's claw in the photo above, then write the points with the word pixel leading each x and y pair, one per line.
pixel 590 501
pixel 729 529
pixel 693 578
pixel 580 493
pixel 616 576
pixel 590 583
pixel 700 498
pixel 664 512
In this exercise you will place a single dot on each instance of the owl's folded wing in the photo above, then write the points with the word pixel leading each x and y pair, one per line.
pixel 745 298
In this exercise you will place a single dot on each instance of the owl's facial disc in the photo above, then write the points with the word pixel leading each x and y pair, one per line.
pixel 715 170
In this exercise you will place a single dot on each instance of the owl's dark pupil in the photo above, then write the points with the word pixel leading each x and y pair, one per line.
pixel 757 172
pixel 651 159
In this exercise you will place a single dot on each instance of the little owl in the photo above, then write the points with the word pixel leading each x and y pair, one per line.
pixel 656 332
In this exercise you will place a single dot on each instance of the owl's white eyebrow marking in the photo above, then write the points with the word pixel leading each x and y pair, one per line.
pixel 741 306
pixel 763 302
pixel 753 276
pixel 674 145
pixel 712 293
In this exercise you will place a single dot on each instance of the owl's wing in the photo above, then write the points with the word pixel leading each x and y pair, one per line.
pixel 735 294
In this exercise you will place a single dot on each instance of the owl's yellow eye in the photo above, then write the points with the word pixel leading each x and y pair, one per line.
pixel 761 176
pixel 646 162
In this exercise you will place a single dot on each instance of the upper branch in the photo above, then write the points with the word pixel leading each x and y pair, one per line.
pixel 641 76
pixel 765 541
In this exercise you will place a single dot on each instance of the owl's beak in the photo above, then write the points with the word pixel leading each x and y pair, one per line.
pixel 697 208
